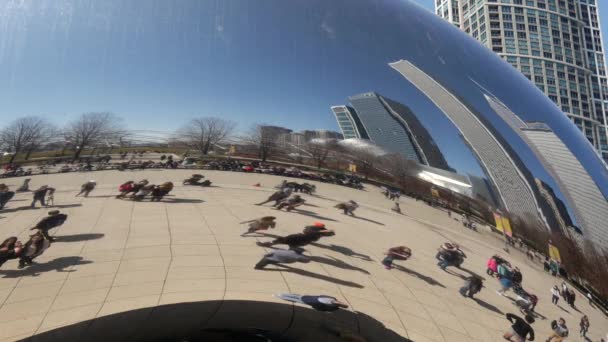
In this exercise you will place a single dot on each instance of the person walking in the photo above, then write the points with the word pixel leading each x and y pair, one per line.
pixel 396 253
pixel 348 208
pixel 40 195
pixel 492 266
pixel 282 256
pixel 319 303
pixel 10 248
pixel 584 324
pixel 36 245
pixel 520 328
pixel 278 196
pixel 560 331
pixel 86 188
pixel 472 285
pixel 291 203
pixel 53 220
pixel 554 295
pixel 5 195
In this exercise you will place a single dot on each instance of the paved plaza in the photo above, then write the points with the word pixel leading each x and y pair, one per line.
pixel 114 255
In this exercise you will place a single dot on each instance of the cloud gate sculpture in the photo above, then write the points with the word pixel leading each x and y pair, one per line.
pixel 382 124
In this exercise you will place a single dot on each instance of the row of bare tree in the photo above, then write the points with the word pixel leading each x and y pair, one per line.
pixel 28 134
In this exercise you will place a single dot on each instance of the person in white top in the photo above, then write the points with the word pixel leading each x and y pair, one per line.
pixel 555 295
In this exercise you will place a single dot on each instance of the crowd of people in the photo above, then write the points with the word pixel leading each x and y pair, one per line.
pixel 289 196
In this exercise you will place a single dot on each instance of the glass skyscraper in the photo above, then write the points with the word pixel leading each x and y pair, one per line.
pixel 383 127
pixel 557 44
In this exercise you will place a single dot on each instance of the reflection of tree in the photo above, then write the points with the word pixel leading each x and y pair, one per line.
pixel 26 134
pixel 319 150
pixel 587 265
pixel 264 139
pixel 202 134
pixel 91 129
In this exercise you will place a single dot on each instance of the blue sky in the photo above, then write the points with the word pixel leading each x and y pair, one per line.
pixel 158 63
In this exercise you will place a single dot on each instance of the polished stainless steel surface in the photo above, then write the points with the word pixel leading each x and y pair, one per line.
pixel 401 86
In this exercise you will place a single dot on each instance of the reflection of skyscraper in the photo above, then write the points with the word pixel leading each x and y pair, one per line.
pixel 584 197
pixel 424 142
pixel 557 206
pixel 513 189
pixel 349 123
pixel 383 127
pixel 567 64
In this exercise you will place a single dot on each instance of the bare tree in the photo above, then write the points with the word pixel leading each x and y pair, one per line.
pixel 265 140
pixel 91 129
pixel 202 134
pixel 26 134
pixel 319 150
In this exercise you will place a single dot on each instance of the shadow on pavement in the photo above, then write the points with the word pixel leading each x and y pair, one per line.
pixel 427 279
pixel 182 200
pixel 78 237
pixel 368 220
pixel 58 265
pixel 100 196
pixel 343 250
pixel 561 307
pixel 63 206
pixel 488 306
pixel 311 214
pixel 229 320
pixel 337 263
pixel 314 275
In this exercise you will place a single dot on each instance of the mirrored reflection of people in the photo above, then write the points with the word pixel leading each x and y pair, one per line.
pixel 348 208
pixel 40 195
pixel 449 254
pixel 278 196
pixel 159 192
pixel 263 223
pixel 10 248
pixel 5 195
pixel 291 203
pixel 54 219
pixel 299 240
pixel 319 303
pixel 560 331
pixel 521 330
pixel 472 286
pixel 86 188
pixel 36 245
pixel 281 256
pixel 396 253
pixel 554 295
pixel 584 324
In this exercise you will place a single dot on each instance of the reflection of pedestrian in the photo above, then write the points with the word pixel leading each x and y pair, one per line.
pixel 33 248
pixel 53 220
pixel 396 253
pixel 319 303
pixel 40 195
pixel 520 329
pixel 5 195
pixel 471 286
pixel 86 188
pixel 584 324
pixel 554 295
pixel 281 256
pixel 560 331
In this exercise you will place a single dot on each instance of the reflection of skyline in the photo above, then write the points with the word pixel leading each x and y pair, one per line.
pixel 588 205
pixel 516 194
pixel 391 125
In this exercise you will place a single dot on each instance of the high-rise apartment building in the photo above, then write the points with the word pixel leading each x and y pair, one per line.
pixel 349 122
pixel 557 44
pixel 383 127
